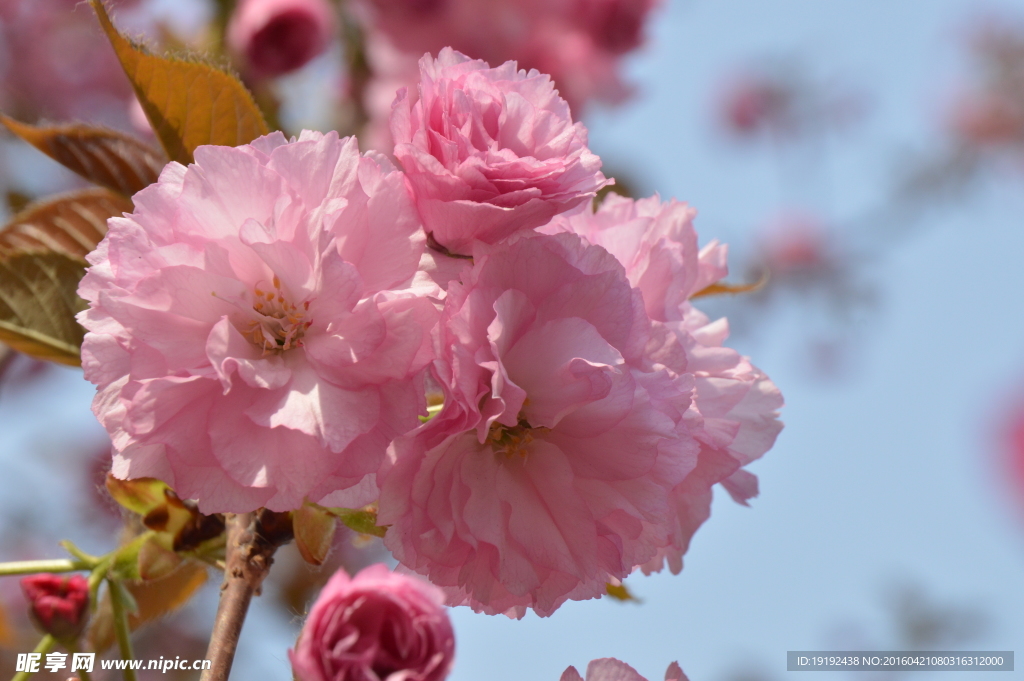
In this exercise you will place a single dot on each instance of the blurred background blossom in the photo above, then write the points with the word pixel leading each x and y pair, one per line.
pixel 866 159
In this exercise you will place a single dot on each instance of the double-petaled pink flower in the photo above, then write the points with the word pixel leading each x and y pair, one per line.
pixel 734 412
pixel 248 328
pixel 610 669
pixel 550 469
pixel 489 151
pixel 376 626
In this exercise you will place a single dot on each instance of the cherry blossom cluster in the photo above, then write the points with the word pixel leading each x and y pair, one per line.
pixel 517 380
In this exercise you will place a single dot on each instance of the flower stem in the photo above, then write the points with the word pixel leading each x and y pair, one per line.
pixel 118 604
pixel 45 645
pixel 83 675
pixel 252 539
pixel 28 567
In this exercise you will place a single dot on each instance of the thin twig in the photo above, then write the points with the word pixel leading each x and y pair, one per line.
pixel 251 542
pixel 26 567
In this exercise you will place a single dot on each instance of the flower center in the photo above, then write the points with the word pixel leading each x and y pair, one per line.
pixel 278 325
pixel 512 441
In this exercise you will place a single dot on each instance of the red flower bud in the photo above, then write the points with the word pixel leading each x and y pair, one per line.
pixel 57 604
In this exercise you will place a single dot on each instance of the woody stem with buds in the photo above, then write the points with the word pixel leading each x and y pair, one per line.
pixel 252 539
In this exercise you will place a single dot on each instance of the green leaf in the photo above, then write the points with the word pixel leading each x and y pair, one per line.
pixel 38 303
pixel 188 103
pixel 126 560
pixel 72 223
pixel 363 521
pixel 179 524
pixel 140 495
pixel 105 157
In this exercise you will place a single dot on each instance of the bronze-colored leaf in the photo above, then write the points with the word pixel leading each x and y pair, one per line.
pixel 72 224
pixel 188 103
pixel 38 303
pixel 720 288
pixel 17 201
pixel 106 157
pixel 314 531
pixel 620 593
pixel 6 630
pixel 155 598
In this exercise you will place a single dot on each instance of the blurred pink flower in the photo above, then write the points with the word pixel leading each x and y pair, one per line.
pixel 247 334
pixel 610 669
pixel 988 119
pixel 1013 434
pixel 734 409
pixel 751 104
pixel 58 604
pixel 548 473
pixel 275 37
pixel 578 42
pixel 795 243
pixel 784 100
pixel 379 626
pixel 55 63
pixel 489 151
pixel 616 26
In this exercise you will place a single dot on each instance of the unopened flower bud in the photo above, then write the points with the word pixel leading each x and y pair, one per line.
pixel 57 604
pixel 379 625
pixel 275 37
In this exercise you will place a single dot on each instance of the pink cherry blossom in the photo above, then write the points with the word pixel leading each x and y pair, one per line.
pixel 489 151
pixel 734 412
pixel 610 669
pixel 548 473
pixel 249 332
pixel 274 37
pixel 379 626
pixel 656 243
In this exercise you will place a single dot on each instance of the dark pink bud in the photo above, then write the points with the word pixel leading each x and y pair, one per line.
pixel 275 37
pixel 57 604
pixel 378 625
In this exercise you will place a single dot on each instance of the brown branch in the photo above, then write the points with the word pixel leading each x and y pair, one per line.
pixel 251 542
